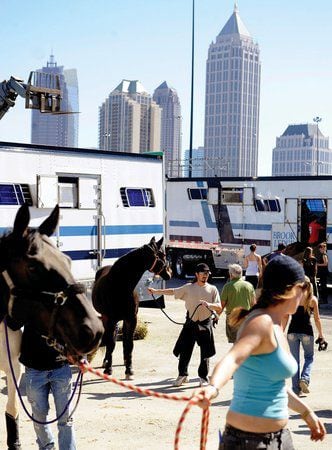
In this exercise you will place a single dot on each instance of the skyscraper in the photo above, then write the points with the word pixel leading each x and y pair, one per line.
pixel 58 129
pixel 232 102
pixel 171 120
pixel 302 150
pixel 129 120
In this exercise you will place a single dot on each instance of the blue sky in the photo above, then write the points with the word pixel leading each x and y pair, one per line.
pixel 150 40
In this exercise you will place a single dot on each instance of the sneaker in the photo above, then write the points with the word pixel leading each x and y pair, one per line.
pixel 181 379
pixel 203 382
pixel 304 386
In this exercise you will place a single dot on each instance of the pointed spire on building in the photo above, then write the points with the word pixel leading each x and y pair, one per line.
pixel 235 25
pixel 51 62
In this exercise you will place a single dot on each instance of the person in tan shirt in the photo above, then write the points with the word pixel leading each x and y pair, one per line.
pixel 201 302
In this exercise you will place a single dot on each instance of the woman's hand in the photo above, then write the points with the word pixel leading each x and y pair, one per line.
pixel 205 395
pixel 316 426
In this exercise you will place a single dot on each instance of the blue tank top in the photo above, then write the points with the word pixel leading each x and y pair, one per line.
pixel 260 387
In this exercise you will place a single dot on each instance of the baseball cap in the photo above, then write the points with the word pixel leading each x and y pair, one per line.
pixel 202 267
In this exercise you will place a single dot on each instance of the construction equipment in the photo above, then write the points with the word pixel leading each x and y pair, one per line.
pixel 42 91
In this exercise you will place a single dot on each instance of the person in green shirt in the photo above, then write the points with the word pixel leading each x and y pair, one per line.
pixel 236 293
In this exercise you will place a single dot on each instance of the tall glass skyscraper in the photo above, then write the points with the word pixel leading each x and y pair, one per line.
pixel 171 120
pixel 232 102
pixel 58 129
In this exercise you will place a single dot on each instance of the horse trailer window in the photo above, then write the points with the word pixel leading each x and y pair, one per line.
pixel 232 195
pixel 15 194
pixel 132 197
pixel 68 192
pixel 197 194
pixel 267 205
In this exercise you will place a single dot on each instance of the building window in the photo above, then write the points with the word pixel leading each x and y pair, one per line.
pixel 132 197
pixel 197 194
pixel 15 194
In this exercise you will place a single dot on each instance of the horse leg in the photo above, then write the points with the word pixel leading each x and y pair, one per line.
pixel 13 438
pixel 12 421
pixel 129 326
pixel 111 332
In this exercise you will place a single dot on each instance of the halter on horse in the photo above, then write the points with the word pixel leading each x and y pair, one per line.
pixel 37 287
pixel 114 297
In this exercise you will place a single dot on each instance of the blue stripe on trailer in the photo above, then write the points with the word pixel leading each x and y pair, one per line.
pixel 77 255
pixel 207 216
pixel 252 226
pixel 110 230
pixel 183 223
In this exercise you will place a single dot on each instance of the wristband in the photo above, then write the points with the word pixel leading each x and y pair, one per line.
pixel 306 413
pixel 216 389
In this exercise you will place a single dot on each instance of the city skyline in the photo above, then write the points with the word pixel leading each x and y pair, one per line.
pixel 106 42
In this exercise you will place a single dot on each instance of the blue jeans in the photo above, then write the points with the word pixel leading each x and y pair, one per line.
pixel 307 342
pixel 39 383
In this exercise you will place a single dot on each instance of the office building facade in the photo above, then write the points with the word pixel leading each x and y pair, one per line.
pixel 302 150
pixel 58 129
pixel 171 123
pixel 232 102
pixel 129 120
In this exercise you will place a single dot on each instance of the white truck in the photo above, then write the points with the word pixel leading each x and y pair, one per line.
pixel 217 219
pixel 109 202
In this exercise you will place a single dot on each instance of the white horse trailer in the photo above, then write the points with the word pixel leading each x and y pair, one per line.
pixel 110 202
pixel 217 219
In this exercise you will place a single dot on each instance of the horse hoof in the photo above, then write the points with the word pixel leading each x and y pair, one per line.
pixel 108 371
pixel 129 376
pixel 105 363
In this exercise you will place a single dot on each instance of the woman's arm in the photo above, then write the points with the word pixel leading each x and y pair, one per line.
pixel 318 323
pixel 245 262
pixel 315 425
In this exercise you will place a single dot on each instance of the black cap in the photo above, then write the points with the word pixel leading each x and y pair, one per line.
pixel 282 271
pixel 202 267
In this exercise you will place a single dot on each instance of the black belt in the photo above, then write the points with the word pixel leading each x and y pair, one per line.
pixel 247 434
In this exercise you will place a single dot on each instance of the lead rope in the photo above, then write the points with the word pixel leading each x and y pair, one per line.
pixel 78 382
pixel 85 366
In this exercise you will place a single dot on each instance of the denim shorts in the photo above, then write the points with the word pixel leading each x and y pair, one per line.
pixel 235 439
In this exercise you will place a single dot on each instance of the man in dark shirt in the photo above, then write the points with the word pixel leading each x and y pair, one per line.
pixel 47 371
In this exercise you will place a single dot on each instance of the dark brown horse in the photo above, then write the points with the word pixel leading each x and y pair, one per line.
pixel 37 287
pixel 114 297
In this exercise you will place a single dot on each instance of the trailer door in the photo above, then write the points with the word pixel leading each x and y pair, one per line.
pixel 81 231
pixel 291 215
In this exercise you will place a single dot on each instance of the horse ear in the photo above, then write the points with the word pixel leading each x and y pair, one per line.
pixel 49 225
pixel 160 242
pixel 22 220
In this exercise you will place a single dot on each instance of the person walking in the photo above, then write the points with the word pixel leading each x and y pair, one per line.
pixel 236 293
pixel 309 263
pixel 280 251
pixel 202 302
pixel 260 362
pixel 314 230
pixel 47 371
pixel 300 333
pixel 322 273
pixel 253 266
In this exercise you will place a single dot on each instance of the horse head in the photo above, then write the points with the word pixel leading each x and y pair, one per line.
pixel 156 255
pixel 39 288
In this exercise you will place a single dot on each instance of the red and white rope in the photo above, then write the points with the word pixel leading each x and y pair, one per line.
pixel 85 366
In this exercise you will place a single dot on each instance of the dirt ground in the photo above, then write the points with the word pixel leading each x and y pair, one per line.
pixel 113 418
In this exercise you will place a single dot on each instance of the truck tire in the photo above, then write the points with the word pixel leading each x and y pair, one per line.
pixel 179 266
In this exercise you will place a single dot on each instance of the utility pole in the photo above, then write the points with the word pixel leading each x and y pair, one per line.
pixel 317 120
pixel 192 92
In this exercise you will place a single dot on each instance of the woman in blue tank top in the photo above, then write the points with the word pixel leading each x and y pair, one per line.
pixel 260 362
